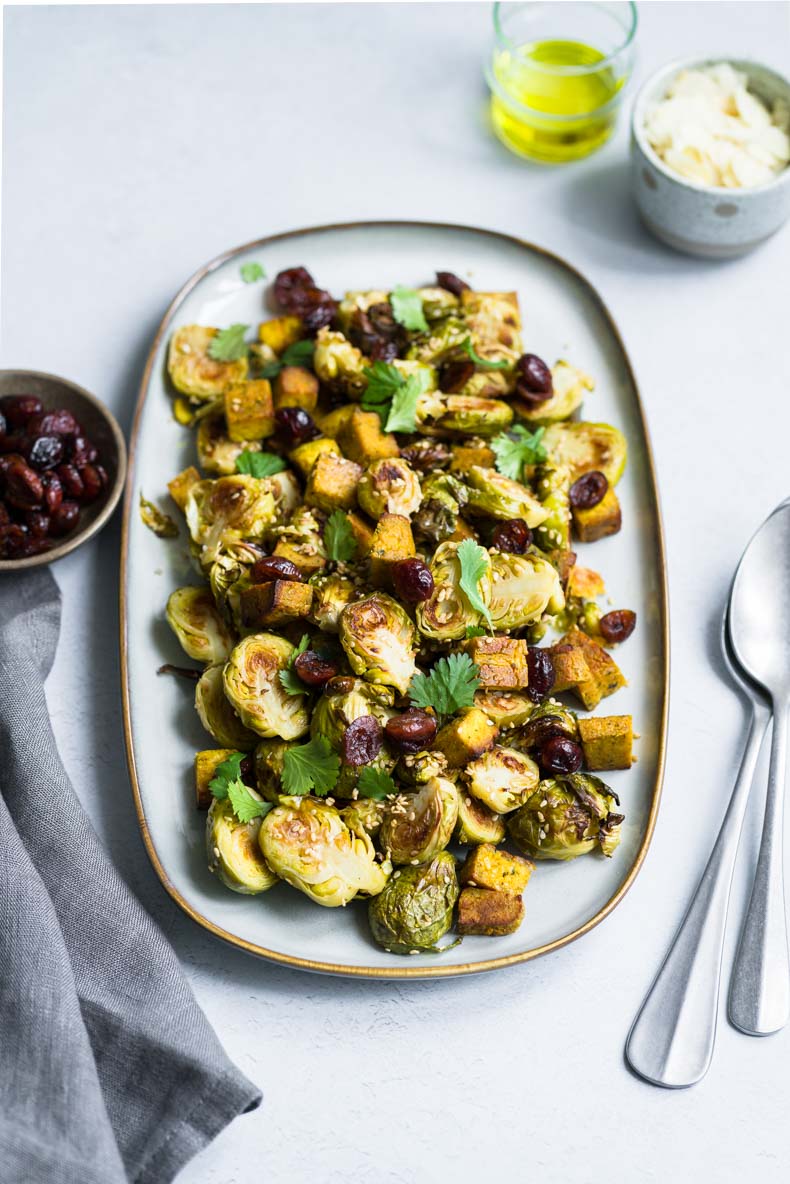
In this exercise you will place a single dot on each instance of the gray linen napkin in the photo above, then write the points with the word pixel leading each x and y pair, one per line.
pixel 109 1071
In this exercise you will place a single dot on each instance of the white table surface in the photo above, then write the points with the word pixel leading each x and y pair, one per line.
pixel 141 141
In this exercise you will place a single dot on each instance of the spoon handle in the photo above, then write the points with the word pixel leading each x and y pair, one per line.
pixel 671 1041
pixel 760 985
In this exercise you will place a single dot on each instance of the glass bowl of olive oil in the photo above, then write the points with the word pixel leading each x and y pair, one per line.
pixel 557 76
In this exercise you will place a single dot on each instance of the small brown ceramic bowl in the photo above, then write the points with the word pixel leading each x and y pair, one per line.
pixel 100 426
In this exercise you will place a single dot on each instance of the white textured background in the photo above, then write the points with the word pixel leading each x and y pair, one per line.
pixel 140 142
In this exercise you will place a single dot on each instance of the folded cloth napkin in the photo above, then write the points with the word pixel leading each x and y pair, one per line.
pixel 109 1071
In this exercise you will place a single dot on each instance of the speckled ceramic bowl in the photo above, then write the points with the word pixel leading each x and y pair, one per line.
pixel 699 219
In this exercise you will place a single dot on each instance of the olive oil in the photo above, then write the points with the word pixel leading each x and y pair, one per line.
pixel 542 109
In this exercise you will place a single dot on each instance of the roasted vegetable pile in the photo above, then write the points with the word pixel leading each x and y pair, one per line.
pixel 384 515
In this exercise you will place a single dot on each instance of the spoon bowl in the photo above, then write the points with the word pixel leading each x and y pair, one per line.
pixel 759 613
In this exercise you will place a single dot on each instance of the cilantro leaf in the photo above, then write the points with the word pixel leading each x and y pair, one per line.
pixel 246 805
pixel 449 686
pixel 484 362
pixel 250 272
pixel 259 464
pixel 299 353
pixel 474 563
pixel 229 345
pixel 289 679
pixel 407 308
pixel 339 537
pixel 383 381
pixel 375 783
pixel 394 397
pixel 311 767
pixel 475 631
pixel 403 409
pixel 513 453
pixel 225 772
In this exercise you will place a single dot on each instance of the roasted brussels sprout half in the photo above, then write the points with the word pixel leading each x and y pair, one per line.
pixel 438 303
pixel 337 708
pixel 269 761
pixel 418 827
pixel 488 384
pixel 229 575
pixel 193 617
pixel 234 853
pixel 226 511
pixel 447 614
pixel 422 766
pixel 416 907
pixel 193 372
pixel 566 817
pixel 355 302
pixel 284 487
pixel 364 814
pixel 508 709
pixel 584 447
pixel 547 719
pixel 551 483
pixel 477 823
pixel 494 323
pixel 470 415
pixel 444 336
pixel 443 495
pixel 498 497
pixel 501 778
pixel 569 385
pixel 339 363
pixel 217 453
pixel 253 687
pixel 523 587
pixel 389 486
pixel 308 844
pixel 216 714
pixel 331 595
pixel 378 638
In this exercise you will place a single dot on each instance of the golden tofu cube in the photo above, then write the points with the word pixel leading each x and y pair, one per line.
pixel 206 763
pixel 485 913
pixel 332 484
pixel 296 386
pixel 392 541
pixel 607 741
pixel 467 455
pixel 180 486
pixel 603 677
pixel 599 521
pixel 585 583
pixel 275 603
pixel 487 867
pixel 362 530
pixel 304 556
pixel 466 737
pixel 280 332
pixel 333 423
pixel 305 455
pixel 570 666
pixel 362 439
pixel 249 410
pixel 502 661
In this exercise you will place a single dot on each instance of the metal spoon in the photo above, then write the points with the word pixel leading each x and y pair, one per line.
pixel 759 630
pixel 671 1041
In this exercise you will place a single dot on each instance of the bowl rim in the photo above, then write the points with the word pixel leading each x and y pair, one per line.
pixel 674 67
pixel 81 535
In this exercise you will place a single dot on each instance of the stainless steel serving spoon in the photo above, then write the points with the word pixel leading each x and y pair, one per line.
pixel 671 1040
pixel 759 631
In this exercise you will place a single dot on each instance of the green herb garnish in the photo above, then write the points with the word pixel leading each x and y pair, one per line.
pixel 394 397
pixel 259 464
pixel 229 345
pixel 474 561
pixel 339 537
pixel 407 308
pixel 484 362
pixel 375 783
pixel 289 679
pixel 517 448
pixel 310 768
pixel 250 272
pixel 227 783
pixel 450 685
pixel 300 353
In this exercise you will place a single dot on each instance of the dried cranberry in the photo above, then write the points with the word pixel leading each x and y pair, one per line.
pixel 540 670
pixel 91 482
pixel 617 625
pixel 19 408
pixel 412 580
pixel 15 442
pixel 376 332
pixel 10 458
pixel 362 741
pixel 513 535
pixel 296 424
pixel 13 538
pixel 318 309
pixel 64 519
pixel 534 375
pixel 274 567
pixel 451 282
pixel 37 523
pixel 82 451
pixel 54 423
pixel 454 376
pixel 342 685
pixel 588 490
pixel 411 732
pixel 536 732
pixel 45 452
pixel 5 517
pixel 313 670
pixel 247 771
pixel 71 480
pixel 23 486
pixel 102 474
pixel 290 281
pixel 560 756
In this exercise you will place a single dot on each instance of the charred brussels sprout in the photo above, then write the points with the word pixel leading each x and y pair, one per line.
pixel 193 617
pixel 416 908
pixel 502 778
pixel 229 575
pixel 586 447
pixel 284 488
pixel 443 495
pixel 389 486
pixel 331 595
pixel 339 363
pixel 552 484
pixel 471 415
pixel 438 303
pixel 523 587
pixel 508 709
pixel 234 853
pixel 308 844
pixel 366 815
pixel 447 614
pixel 226 511
pixel 417 828
pixel 569 386
pixel 421 767
pixel 269 760
pixel 566 817
pixel 498 497
pixel 378 638
pixel 252 685
pixel 193 371
pixel 216 714
pixel 477 823
pixel 444 336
